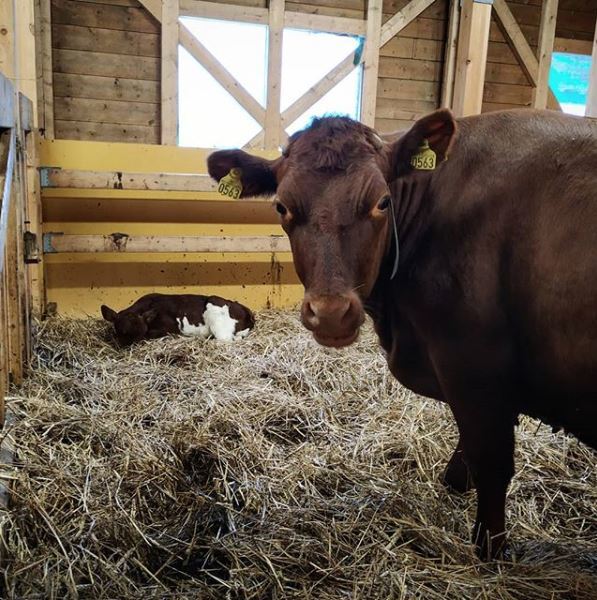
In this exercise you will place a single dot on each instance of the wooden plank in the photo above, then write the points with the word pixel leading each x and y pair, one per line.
pixel 319 22
pixel 408 90
pixel 591 108
pixel 402 18
pixel 388 126
pixel 329 9
pixel 573 46
pixel 371 62
pixel 508 94
pixel 106 132
pixel 418 70
pixel 118 242
pixel 399 47
pixel 25 60
pixel 7 100
pixel 493 106
pixel 450 54
pixel 200 53
pixel 225 12
pixel 110 41
pixel 106 111
pixel 169 81
pixel 547 33
pixel 499 73
pixel 272 123
pixel 394 108
pixel 70 178
pixel 73 12
pixel 83 62
pixel 47 74
pixel 95 87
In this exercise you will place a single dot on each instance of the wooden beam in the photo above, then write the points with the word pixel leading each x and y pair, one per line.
pixel 274 75
pixel 26 53
pixel 521 48
pixel 402 18
pixel 120 242
pixel 7 100
pixel 224 12
pixel 591 109
pixel 299 20
pixel 169 71
pixel 547 34
pixel 471 58
pixel 200 53
pixel 371 61
pixel 111 180
pixel 450 54
pixel 47 68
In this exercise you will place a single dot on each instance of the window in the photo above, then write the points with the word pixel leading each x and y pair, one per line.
pixel 210 117
pixel 569 80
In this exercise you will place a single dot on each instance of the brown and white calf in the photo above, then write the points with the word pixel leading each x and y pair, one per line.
pixel 158 315
pixel 472 243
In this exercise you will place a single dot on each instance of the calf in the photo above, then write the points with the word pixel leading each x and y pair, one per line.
pixel 157 315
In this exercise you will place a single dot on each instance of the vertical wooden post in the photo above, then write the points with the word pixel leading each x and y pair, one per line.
pixel 450 54
pixel 471 58
pixel 273 121
pixel 547 34
pixel 169 84
pixel 47 76
pixel 371 62
pixel 591 109
pixel 26 51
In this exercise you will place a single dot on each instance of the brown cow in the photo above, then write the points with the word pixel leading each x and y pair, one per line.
pixel 490 303
pixel 158 315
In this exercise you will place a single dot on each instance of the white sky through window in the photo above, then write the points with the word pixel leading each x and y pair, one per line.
pixel 209 117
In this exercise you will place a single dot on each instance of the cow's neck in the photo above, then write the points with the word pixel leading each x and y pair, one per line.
pixel 412 210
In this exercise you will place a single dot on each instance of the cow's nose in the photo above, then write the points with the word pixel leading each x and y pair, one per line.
pixel 332 316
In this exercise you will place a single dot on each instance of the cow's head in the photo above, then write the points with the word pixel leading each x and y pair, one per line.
pixel 332 195
pixel 129 326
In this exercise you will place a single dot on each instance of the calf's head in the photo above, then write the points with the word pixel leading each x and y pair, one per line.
pixel 332 195
pixel 129 326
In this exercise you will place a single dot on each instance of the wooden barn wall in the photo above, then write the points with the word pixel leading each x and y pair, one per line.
pixel 106 71
pixel 106 56
pixel 506 85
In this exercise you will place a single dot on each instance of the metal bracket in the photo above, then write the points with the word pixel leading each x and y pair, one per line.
pixel 48 248
pixel 31 249
pixel 44 177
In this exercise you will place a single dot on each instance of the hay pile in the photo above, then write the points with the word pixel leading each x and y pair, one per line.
pixel 270 468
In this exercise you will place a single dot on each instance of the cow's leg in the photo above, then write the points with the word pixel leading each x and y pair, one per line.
pixel 457 476
pixel 487 436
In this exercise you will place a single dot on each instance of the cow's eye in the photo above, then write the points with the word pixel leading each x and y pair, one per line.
pixel 280 208
pixel 384 203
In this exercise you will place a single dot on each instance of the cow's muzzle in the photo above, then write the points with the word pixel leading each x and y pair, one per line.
pixel 334 319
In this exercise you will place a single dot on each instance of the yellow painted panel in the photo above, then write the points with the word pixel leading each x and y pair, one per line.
pixel 134 194
pixel 164 229
pixel 137 158
pixel 170 257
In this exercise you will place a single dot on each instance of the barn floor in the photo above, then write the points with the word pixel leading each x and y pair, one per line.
pixel 267 469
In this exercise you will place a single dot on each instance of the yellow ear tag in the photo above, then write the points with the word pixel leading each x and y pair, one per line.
pixel 425 158
pixel 230 185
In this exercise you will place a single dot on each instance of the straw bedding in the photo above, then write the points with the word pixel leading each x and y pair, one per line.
pixel 269 468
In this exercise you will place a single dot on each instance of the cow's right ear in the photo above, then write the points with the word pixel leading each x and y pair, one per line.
pixel 108 313
pixel 258 175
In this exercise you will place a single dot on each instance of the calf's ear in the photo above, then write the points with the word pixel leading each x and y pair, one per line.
pixel 437 129
pixel 149 315
pixel 108 313
pixel 258 175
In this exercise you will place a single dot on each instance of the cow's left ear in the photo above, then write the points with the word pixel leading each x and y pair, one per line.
pixel 108 313
pixel 437 129
pixel 257 175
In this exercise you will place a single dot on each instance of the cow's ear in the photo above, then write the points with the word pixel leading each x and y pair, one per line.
pixel 436 129
pixel 108 313
pixel 149 315
pixel 258 175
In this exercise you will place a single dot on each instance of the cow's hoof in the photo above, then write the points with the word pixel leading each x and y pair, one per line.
pixel 489 548
pixel 456 477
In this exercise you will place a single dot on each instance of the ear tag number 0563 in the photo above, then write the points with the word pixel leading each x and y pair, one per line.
pixel 425 158
pixel 230 185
